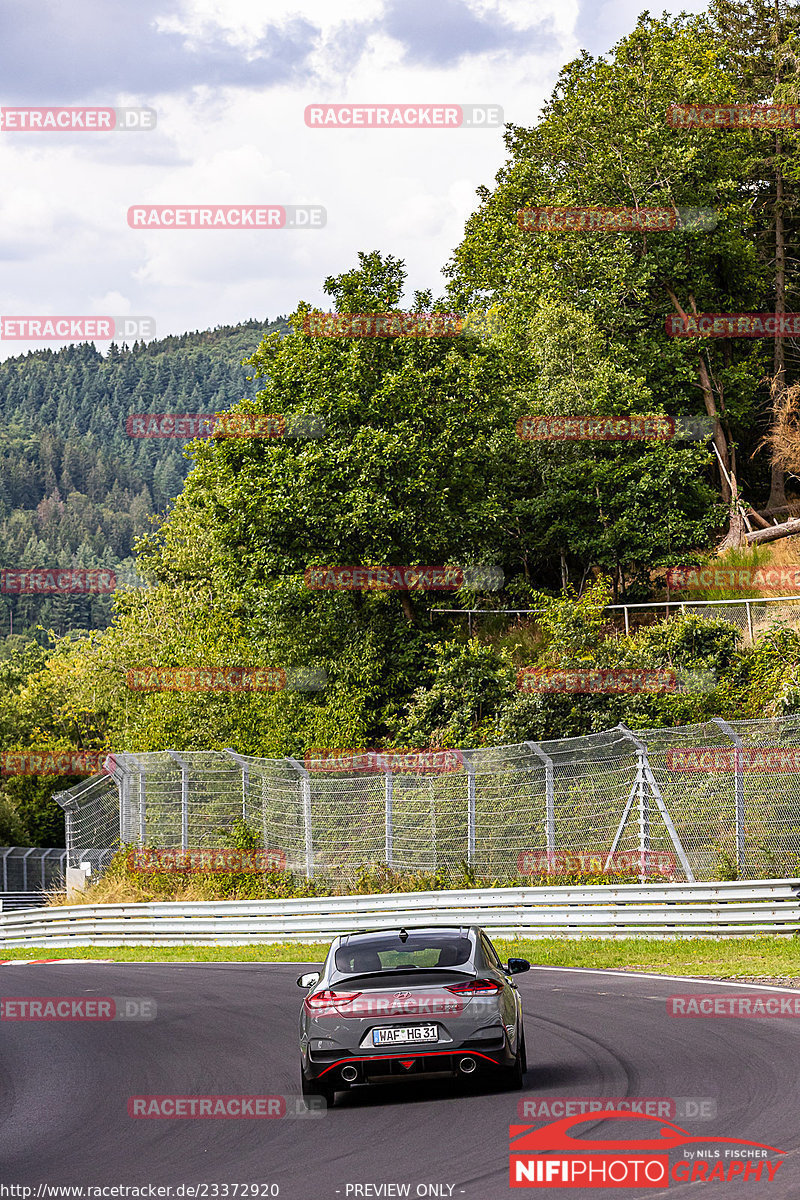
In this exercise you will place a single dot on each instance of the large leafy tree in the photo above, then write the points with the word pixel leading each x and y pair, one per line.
pixel 604 139
pixel 761 40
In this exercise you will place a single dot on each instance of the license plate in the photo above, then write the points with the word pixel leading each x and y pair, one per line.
pixel 403 1035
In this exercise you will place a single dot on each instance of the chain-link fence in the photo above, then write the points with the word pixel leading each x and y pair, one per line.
pixel 31 869
pixel 92 816
pixel 697 802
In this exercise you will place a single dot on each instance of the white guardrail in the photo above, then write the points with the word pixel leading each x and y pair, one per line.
pixel 770 906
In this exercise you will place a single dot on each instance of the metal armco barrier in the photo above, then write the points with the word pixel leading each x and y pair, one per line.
pixel 13 900
pixel 669 910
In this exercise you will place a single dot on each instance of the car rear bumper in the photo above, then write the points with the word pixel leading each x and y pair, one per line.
pixel 373 1068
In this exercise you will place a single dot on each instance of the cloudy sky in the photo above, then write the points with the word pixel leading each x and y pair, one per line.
pixel 230 80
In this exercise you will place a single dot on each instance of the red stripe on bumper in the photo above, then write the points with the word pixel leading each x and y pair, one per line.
pixel 386 1057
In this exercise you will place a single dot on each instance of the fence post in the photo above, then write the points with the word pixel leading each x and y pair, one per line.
pixel 305 791
pixel 142 798
pixel 142 805
pixel 470 811
pixel 388 785
pixel 245 767
pixel 643 796
pixel 124 797
pixel 25 868
pixel 550 800
pixel 5 868
pixel 749 620
pixel 738 787
pixel 184 799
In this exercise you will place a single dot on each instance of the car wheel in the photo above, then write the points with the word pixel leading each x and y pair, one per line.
pixel 515 1075
pixel 315 1089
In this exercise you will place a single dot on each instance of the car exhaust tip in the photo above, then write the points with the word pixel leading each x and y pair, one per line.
pixel 467 1065
pixel 349 1074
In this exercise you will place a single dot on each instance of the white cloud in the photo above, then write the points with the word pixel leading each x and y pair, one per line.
pixel 64 241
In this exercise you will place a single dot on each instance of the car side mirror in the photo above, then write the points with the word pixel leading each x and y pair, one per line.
pixel 308 980
pixel 517 965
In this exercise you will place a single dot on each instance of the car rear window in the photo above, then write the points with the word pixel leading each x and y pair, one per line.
pixel 389 953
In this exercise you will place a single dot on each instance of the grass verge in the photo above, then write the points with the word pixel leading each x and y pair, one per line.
pixel 746 958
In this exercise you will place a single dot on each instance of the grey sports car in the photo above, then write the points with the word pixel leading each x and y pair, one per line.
pixel 397 1004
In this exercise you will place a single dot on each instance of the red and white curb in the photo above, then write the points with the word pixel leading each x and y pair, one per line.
pixel 27 962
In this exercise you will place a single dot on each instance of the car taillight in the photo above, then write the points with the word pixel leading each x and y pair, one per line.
pixel 326 1001
pixel 476 987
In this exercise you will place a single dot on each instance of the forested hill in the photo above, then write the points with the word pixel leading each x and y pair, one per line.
pixel 75 489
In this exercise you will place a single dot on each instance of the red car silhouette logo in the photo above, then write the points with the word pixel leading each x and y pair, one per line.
pixel 531 1139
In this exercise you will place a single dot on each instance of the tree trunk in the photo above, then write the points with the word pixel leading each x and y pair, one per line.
pixel 720 441
pixel 736 535
pixel 787 529
pixel 759 520
pixel 408 608
pixel 777 494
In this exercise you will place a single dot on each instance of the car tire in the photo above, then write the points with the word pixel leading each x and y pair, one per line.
pixel 515 1075
pixel 313 1088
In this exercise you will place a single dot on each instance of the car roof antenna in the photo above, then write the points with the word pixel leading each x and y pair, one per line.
pixel 403 935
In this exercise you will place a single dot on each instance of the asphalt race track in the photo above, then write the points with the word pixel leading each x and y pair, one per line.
pixel 230 1029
